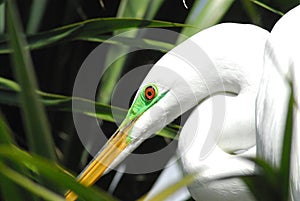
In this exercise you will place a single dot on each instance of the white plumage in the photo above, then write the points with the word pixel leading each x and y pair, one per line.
pixel 237 52
pixel 282 63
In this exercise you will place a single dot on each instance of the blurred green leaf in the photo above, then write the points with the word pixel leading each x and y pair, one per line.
pixel 139 9
pixel 165 193
pixel 8 189
pixel 53 173
pixel 5 136
pixel 127 8
pixel 2 17
pixel 7 84
pixel 152 9
pixel 263 186
pixel 85 30
pixel 36 13
pixel 205 14
pixel 132 42
pixel 285 164
pixel 41 40
pixel 9 96
pixel 252 12
pixel 37 128
pixel 284 6
pixel 263 5
pixel 261 189
pixel 28 184
pixel 117 40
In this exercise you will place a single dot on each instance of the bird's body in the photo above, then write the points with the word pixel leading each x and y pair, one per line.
pixel 215 162
pixel 282 63
pixel 239 59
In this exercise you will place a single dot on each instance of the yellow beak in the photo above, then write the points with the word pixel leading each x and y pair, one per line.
pixel 112 149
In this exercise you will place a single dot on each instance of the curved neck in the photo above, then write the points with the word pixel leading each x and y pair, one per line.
pixel 226 57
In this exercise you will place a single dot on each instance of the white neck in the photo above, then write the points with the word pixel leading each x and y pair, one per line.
pixel 226 57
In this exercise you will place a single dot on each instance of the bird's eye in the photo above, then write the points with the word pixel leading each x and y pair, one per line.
pixel 149 93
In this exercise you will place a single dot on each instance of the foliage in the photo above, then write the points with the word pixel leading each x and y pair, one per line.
pixel 38 142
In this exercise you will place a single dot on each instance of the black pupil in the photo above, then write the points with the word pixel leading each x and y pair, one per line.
pixel 149 93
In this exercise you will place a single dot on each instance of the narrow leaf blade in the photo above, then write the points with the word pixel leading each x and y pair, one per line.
pixel 285 164
pixel 54 173
pixel 86 29
pixel 28 184
pixel 165 193
pixel 205 14
pixel 37 128
pixel 127 8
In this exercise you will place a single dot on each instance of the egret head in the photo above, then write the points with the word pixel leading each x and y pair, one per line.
pixel 172 86
pixel 143 116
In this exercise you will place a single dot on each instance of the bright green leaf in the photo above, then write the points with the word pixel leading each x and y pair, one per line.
pixel 28 184
pixel 53 173
pixel 9 190
pixel 9 85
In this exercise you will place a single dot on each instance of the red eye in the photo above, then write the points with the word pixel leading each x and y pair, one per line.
pixel 149 93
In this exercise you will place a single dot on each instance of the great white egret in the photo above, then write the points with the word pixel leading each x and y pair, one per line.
pixel 226 57
pixel 282 63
